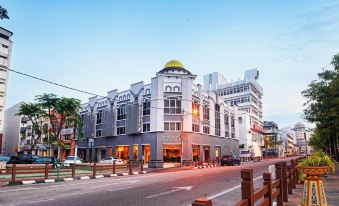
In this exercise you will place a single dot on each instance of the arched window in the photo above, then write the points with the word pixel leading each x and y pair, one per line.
pixel 124 97
pixel 148 91
pixel 168 89
pixel 128 96
pixel 120 98
pixel 176 89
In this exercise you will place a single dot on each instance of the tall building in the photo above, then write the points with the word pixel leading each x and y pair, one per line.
pixel 172 119
pixel 288 135
pixel 302 135
pixel 246 94
pixel 5 56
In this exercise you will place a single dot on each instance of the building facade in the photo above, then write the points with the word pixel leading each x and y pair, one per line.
pixel 302 136
pixel 172 119
pixel 288 136
pixel 5 56
pixel 246 94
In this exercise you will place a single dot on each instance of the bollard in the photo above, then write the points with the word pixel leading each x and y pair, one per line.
pixel 213 163
pixel 13 172
pixel 73 170
pixel 114 164
pixel 202 202
pixel 94 169
pixel 46 171
pixel 130 167
pixel 142 165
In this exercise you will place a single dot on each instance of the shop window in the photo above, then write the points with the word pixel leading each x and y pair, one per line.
pixel 135 151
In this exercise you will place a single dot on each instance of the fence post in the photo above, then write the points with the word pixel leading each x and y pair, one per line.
pixel 284 181
pixel 268 181
pixel 130 166
pixel 278 176
pixel 142 165
pixel 247 190
pixel 46 171
pixel 293 165
pixel 13 172
pixel 290 177
pixel 114 164
pixel 73 170
pixel 94 169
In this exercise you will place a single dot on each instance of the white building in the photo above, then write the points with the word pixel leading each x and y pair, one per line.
pixel 288 135
pixel 5 56
pixel 171 119
pixel 245 93
pixel 302 135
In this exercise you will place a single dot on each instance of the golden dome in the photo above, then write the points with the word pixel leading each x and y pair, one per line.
pixel 174 64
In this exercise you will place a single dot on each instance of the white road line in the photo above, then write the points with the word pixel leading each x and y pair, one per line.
pixel 37 201
pixel 124 188
pixel 230 190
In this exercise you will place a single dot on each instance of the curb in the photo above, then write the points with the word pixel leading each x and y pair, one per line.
pixel 28 182
pixel 207 166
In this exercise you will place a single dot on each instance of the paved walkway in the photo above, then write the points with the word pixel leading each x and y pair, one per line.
pixel 331 186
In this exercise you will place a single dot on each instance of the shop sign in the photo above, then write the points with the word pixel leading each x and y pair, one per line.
pixel 171 139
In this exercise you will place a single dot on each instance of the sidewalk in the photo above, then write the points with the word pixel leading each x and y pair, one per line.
pixel 331 187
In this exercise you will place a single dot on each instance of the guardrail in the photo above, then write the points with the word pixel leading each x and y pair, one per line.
pixel 15 172
pixel 278 189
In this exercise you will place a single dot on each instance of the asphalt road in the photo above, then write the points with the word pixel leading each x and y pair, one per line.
pixel 221 184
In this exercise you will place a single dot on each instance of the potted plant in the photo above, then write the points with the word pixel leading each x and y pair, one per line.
pixel 314 167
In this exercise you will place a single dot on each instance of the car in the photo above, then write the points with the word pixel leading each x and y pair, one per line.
pixel 229 160
pixel 44 160
pixel 110 161
pixel 28 158
pixel 11 159
pixel 69 161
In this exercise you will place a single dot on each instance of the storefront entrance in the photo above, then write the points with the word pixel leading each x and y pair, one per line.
pixel 146 151
pixel 217 152
pixel 122 152
pixel 206 153
pixel 171 152
pixel 196 152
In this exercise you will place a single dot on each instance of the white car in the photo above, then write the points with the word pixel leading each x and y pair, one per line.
pixel 110 161
pixel 70 160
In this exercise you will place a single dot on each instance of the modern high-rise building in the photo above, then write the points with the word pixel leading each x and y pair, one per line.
pixel 246 94
pixel 172 119
pixel 5 56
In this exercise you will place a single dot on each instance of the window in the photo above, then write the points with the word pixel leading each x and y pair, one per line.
pixel 172 126
pixel 122 112
pixel 206 113
pixel 98 133
pixel 4 46
pixel 146 127
pixel 232 122
pixel 195 109
pixel 217 120
pixel 206 129
pixel 146 108
pixel 172 105
pixel 240 120
pixel 121 130
pixel 226 120
pixel 99 117
pixel 195 127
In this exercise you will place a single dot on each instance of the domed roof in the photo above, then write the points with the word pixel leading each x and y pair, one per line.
pixel 174 64
pixel 299 125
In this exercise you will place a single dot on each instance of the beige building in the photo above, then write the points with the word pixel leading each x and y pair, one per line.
pixel 5 56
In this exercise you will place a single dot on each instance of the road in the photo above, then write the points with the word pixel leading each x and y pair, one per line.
pixel 221 184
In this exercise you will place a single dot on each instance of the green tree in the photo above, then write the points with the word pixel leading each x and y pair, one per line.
pixel 3 13
pixel 34 113
pixel 323 108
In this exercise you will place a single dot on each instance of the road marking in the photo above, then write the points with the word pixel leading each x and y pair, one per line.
pixel 170 191
pixel 230 190
pixel 37 201
pixel 124 188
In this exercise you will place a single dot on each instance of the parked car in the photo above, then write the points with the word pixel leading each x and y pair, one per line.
pixel 28 158
pixel 11 159
pixel 44 160
pixel 229 160
pixel 70 161
pixel 110 161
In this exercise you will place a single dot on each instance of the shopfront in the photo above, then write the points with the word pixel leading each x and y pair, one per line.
pixel 196 152
pixel 171 152
pixel 122 152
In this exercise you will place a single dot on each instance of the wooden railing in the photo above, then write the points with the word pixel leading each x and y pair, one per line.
pixel 14 172
pixel 272 190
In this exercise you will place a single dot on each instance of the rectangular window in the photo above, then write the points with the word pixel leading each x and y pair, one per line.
pixel 232 122
pixel 121 112
pixel 217 120
pixel 195 109
pixel 206 113
pixel 98 133
pixel 146 127
pixel 99 117
pixel 240 120
pixel 195 127
pixel 172 106
pixel 172 126
pixel 121 130
pixel 206 129
pixel 146 109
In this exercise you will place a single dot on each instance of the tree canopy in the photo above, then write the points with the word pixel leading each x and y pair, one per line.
pixel 323 108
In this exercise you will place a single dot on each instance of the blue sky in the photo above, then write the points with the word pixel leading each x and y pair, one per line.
pixel 101 45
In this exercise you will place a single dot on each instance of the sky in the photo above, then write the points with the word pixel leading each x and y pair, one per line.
pixel 98 46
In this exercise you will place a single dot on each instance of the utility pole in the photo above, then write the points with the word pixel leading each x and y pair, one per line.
pixel 182 137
